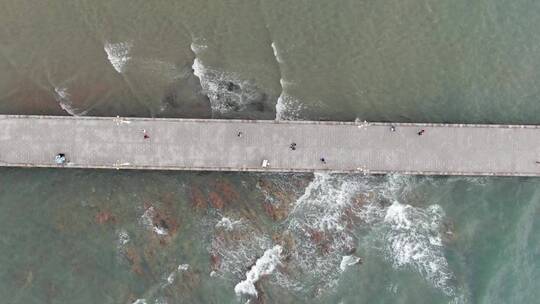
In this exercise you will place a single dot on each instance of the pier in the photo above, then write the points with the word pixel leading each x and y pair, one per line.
pixel 269 146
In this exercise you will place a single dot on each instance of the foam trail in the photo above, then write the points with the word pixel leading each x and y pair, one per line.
pixel 62 96
pixel 287 107
pixel 276 54
pixel 198 67
pixel 265 265
pixel 118 54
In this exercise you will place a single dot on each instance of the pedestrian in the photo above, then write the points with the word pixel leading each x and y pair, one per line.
pixel 239 134
pixel 421 132
pixel 145 135
pixel 392 129
pixel 323 160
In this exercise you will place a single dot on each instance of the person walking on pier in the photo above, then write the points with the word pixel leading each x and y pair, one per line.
pixel 145 135
pixel 293 146
pixel 323 160
pixel 421 132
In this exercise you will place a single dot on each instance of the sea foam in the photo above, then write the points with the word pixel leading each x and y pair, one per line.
pixel 318 225
pixel 227 224
pixel 63 97
pixel 409 237
pixel 413 239
pixel 226 91
pixel 287 107
pixel 348 260
pixel 265 265
pixel 118 54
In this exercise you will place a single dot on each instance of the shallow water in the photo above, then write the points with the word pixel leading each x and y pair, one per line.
pixel 84 236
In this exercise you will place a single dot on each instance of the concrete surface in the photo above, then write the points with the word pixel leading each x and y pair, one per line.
pixel 192 144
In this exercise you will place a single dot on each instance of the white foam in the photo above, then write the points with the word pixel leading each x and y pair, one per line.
pixel 226 91
pixel 160 231
pixel 288 107
pixel 198 68
pixel 324 200
pixel 172 276
pixel 63 97
pixel 123 237
pixel 265 265
pixel 237 248
pixel 276 53
pixel 147 216
pixel 146 221
pixel 197 48
pixel 140 301
pixel 408 236
pixel 411 238
pixel 348 260
pixel 227 224
pixel 319 220
pixel 118 54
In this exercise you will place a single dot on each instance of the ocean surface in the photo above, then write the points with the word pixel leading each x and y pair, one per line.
pixel 89 236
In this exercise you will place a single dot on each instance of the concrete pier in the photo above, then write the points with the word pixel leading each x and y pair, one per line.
pixel 238 145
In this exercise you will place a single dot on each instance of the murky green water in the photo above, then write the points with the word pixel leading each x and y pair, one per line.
pixel 75 236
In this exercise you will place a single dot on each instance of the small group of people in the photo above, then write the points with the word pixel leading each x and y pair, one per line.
pixel 420 133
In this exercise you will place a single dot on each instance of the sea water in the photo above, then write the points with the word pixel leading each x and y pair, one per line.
pixel 85 236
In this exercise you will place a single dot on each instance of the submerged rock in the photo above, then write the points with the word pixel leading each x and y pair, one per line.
pixel 134 259
pixel 103 217
pixel 198 200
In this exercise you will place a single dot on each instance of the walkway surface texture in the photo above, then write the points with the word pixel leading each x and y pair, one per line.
pixel 235 145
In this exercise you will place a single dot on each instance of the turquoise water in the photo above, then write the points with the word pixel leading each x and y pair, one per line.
pixel 84 236
pixel 422 240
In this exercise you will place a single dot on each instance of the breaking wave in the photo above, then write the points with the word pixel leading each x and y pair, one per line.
pixel 409 237
pixel 412 238
pixel 319 236
pixel 319 226
pixel 264 266
pixel 323 227
pixel 287 106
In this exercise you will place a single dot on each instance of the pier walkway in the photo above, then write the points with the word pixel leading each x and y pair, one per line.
pixel 240 145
